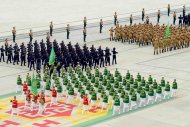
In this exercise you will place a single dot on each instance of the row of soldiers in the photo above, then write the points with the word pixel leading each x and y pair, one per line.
pixel 147 34
pixel 38 54
pixel 103 88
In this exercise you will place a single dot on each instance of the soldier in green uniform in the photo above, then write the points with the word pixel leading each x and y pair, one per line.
pixel 93 99
pixel 138 77
pixel 104 102
pixel 174 88
pixel 128 75
pixel 133 101
pixel 167 91
pixel 158 93
pixel 19 84
pixel 125 102
pixel 116 107
pixel 70 97
pixel 142 98
pixel 150 79
pixel 150 95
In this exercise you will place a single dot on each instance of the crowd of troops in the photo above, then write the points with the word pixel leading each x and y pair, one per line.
pixel 90 90
pixel 147 34
pixel 37 54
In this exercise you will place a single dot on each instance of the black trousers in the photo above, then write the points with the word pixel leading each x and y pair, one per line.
pixel 102 62
pixel 84 38
pixel 68 34
pixel 23 61
pixel 51 32
pixel 32 65
pixel 107 60
pixel 114 59
pixel 14 37
pixel 2 56
pixel 100 29
pixel 9 58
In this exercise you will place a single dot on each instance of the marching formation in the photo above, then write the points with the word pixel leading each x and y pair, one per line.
pixel 147 34
pixel 91 90
pixel 37 54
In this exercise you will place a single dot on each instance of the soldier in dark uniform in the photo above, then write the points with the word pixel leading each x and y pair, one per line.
pixel 23 56
pixel 32 61
pixel 158 16
pixel 101 55
pixel 115 18
pixel 2 53
pixel 101 25
pixel 143 14
pixel 131 19
pixel 85 22
pixel 14 34
pixel 84 35
pixel 38 64
pixel 174 17
pixel 68 31
pixel 107 56
pixel 16 54
pixel 9 54
pixel 30 35
pixel 51 28
pixel 6 46
pixel 168 9
pixel 114 56
pixel 180 21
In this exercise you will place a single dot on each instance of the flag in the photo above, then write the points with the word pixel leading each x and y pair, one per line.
pixel 167 31
pixel 34 86
pixel 52 56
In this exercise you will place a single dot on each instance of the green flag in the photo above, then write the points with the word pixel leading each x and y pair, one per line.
pixel 52 56
pixel 167 31
pixel 34 86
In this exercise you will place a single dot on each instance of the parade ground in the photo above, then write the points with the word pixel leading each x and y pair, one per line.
pixel 173 112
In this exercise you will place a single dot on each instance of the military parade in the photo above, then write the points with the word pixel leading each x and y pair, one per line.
pixel 86 72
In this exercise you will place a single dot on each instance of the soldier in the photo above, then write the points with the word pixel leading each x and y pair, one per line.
pixel 9 54
pixel 68 31
pixel 84 35
pixel 14 34
pixel 51 28
pixel 101 25
pixel 85 22
pixel 168 9
pixel 23 56
pixel 107 56
pixel 31 35
pixel 158 16
pixel 2 53
pixel 111 34
pixel 131 20
pixel 115 18
pixel 14 107
pixel 101 55
pixel 114 56
pixel 16 54
pixel 143 14
pixel 174 17
pixel 32 61
pixel 180 21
